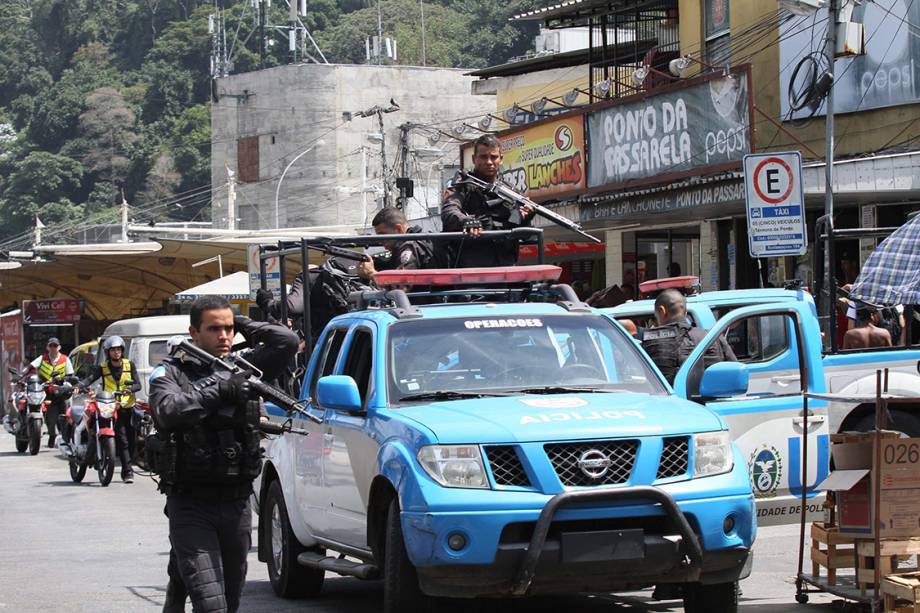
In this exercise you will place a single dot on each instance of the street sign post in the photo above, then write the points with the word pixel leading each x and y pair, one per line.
pixel 775 203
pixel 272 273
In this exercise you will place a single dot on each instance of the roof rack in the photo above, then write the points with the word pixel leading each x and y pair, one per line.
pixel 341 246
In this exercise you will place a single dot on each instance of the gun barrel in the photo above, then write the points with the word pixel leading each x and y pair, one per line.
pixel 272 428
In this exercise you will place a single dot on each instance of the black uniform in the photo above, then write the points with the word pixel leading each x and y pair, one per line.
pixel 124 428
pixel 215 443
pixel 465 203
pixel 410 255
pixel 670 345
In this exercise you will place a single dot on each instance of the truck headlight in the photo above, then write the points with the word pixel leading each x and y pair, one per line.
pixel 454 465
pixel 712 453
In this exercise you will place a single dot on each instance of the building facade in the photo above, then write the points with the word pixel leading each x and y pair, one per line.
pixel 663 184
pixel 304 151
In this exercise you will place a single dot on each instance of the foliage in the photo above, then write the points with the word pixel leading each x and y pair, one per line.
pixel 100 98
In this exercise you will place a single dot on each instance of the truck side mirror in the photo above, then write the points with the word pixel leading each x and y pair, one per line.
pixel 339 392
pixel 724 380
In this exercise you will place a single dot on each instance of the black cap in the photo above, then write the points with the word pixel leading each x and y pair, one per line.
pixel 54 341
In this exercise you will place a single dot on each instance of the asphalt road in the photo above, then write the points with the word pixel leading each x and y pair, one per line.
pixel 81 547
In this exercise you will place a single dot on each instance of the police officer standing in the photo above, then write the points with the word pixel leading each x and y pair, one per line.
pixel 401 255
pixel 671 342
pixel 214 441
pixel 118 374
pixel 466 209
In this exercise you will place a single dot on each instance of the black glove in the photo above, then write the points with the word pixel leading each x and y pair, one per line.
pixel 233 391
pixel 472 224
pixel 263 298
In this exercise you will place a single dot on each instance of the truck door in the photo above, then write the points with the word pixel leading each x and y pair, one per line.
pixel 768 426
pixel 312 498
pixel 348 463
pixel 766 345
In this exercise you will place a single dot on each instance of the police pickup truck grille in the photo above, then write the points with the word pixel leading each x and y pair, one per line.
pixel 675 457
pixel 506 466
pixel 593 463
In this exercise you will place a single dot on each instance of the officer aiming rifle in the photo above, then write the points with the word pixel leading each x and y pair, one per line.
pixel 507 204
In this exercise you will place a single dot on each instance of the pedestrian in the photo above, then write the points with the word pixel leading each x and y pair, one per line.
pixel 52 366
pixel 118 374
pixel 869 333
pixel 400 255
pixel 671 341
pixel 212 455
pixel 466 209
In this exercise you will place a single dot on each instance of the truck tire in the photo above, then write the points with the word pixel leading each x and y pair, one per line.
pixel 902 421
pixel 721 597
pixel 401 591
pixel 288 577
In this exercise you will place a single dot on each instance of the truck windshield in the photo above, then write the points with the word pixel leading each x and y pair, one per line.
pixel 532 354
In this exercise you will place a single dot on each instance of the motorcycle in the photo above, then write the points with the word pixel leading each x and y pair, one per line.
pixel 24 421
pixel 142 424
pixel 58 392
pixel 91 440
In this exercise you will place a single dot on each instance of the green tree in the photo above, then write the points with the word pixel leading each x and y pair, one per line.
pixel 108 125
pixel 40 183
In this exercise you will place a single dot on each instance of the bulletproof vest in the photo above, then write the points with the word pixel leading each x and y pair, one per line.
pixel 669 346
pixel 214 454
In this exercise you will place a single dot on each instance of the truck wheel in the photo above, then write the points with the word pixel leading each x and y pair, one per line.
pixel 288 578
pixel 902 421
pixel 401 591
pixel 721 597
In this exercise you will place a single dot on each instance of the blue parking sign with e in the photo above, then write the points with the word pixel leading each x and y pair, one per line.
pixel 775 204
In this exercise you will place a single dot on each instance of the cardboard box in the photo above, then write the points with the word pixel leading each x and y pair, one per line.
pixel 899 474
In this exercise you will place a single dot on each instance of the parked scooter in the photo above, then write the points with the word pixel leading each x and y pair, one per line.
pixel 91 440
pixel 24 420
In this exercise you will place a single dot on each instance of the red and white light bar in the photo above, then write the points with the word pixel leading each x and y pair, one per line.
pixel 683 283
pixel 469 276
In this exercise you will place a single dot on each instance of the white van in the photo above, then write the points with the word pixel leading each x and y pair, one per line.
pixel 145 342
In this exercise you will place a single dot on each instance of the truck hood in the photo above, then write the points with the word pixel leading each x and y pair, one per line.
pixel 535 418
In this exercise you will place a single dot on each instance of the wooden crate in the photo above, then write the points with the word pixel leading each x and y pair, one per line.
pixel 839 551
pixel 904 588
pixel 889 551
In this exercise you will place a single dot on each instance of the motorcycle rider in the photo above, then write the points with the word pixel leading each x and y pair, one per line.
pixel 118 374
pixel 52 366
pixel 214 455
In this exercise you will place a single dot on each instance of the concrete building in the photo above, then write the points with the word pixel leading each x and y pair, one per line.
pixel 304 122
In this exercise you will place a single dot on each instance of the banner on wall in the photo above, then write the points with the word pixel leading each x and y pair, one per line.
pixel 543 161
pixel 693 128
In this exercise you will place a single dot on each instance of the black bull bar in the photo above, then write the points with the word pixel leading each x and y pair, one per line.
pixel 689 542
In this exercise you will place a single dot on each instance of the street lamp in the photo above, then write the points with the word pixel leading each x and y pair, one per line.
pixel 318 143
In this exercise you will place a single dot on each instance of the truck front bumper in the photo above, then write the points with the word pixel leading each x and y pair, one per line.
pixel 585 555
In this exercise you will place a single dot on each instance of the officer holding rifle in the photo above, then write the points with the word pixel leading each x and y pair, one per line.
pixel 466 208
pixel 209 425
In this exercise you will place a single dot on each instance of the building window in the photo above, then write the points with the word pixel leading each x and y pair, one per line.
pixel 247 156
pixel 716 32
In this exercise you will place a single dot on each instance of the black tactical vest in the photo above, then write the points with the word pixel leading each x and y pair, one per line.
pixel 669 346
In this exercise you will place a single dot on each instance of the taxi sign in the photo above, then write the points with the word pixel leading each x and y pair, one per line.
pixel 775 203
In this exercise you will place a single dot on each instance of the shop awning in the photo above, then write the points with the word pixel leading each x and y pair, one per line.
pixel 232 287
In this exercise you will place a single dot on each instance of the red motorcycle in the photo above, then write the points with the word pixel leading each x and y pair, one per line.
pixel 91 440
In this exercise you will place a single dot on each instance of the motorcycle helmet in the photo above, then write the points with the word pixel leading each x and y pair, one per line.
pixel 112 342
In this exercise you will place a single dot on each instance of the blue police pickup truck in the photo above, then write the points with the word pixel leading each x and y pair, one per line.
pixel 513 448
pixel 768 345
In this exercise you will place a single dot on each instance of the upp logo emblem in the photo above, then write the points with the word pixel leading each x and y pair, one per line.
pixel 765 468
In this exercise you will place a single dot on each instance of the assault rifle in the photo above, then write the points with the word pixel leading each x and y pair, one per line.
pixel 236 366
pixel 511 200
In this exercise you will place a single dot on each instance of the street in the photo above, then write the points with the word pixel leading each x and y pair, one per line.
pixel 82 547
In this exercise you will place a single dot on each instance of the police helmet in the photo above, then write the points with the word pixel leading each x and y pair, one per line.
pixel 113 342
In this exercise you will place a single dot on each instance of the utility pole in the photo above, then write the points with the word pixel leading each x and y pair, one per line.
pixel 830 51
pixel 379 37
pixel 379 112
pixel 262 9
pixel 124 218
pixel 231 198
pixel 421 6
pixel 403 164
pixel 37 232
